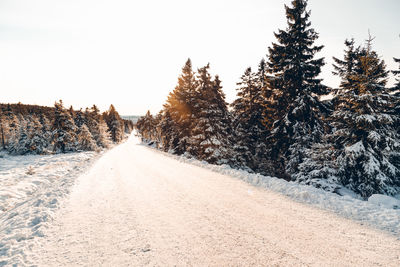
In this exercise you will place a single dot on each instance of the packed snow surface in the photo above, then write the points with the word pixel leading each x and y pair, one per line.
pixel 385 201
pixel 139 207
pixel 31 190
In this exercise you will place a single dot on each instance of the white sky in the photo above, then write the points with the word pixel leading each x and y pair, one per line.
pixel 130 53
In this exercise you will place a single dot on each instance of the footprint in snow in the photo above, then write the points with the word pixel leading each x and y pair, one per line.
pixel 146 248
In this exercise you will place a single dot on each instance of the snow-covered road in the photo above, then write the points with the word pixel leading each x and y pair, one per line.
pixel 140 207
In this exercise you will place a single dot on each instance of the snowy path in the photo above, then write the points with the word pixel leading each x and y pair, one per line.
pixel 139 207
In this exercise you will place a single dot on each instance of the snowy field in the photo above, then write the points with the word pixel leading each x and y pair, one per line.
pixel 31 190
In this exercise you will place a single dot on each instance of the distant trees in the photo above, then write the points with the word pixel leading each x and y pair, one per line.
pixel 147 126
pixel 279 126
pixel 114 123
pixel 195 120
pixel 31 129
pixel 63 130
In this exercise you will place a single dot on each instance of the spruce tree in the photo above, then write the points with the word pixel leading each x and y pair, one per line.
pixel 114 123
pixel 294 89
pixel 96 125
pixel 366 142
pixel 209 139
pixel 39 137
pixel 63 135
pixel 347 67
pixel 250 133
pixel 3 129
pixel 169 133
pixel 19 145
pixel 180 104
pixel 102 137
pixel 79 118
pixel 397 74
pixel 86 141
pixel 396 94
pixel 12 128
pixel 147 127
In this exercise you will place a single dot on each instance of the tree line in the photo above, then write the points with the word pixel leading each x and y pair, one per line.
pixel 32 129
pixel 279 126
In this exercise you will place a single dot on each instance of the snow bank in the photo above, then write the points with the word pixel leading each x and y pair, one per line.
pixel 31 189
pixel 384 201
pixel 372 213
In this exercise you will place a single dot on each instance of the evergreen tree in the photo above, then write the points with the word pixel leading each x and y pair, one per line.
pixel 3 129
pixel 147 127
pixel 180 105
pixel 63 136
pixel 319 168
pixel 86 141
pixel 250 132
pixel 347 68
pixel 79 118
pixel 12 129
pixel 102 137
pixel 397 74
pixel 38 139
pixel 169 133
pixel 396 94
pixel 114 123
pixel 211 128
pixel 19 145
pixel 366 142
pixel 96 125
pixel 294 89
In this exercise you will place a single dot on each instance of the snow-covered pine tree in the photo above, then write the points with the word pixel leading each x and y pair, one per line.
pixel 180 104
pixel 79 118
pixel 102 137
pixel 295 89
pixel 39 137
pixel 346 67
pixel 114 124
pixel 86 141
pixel 248 127
pixel 19 145
pixel 31 139
pixel 396 95
pixel 72 112
pixel 209 139
pixel 366 142
pixel 63 136
pixel 397 74
pixel 45 127
pixel 320 168
pixel 96 125
pixel 168 132
pixel 11 129
pixel 147 127
pixel 3 129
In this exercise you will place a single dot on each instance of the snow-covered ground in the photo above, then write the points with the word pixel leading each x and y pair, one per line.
pixel 138 206
pixel 31 190
pixel 382 212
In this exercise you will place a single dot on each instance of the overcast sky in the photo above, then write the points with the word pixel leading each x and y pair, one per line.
pixel 130 53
